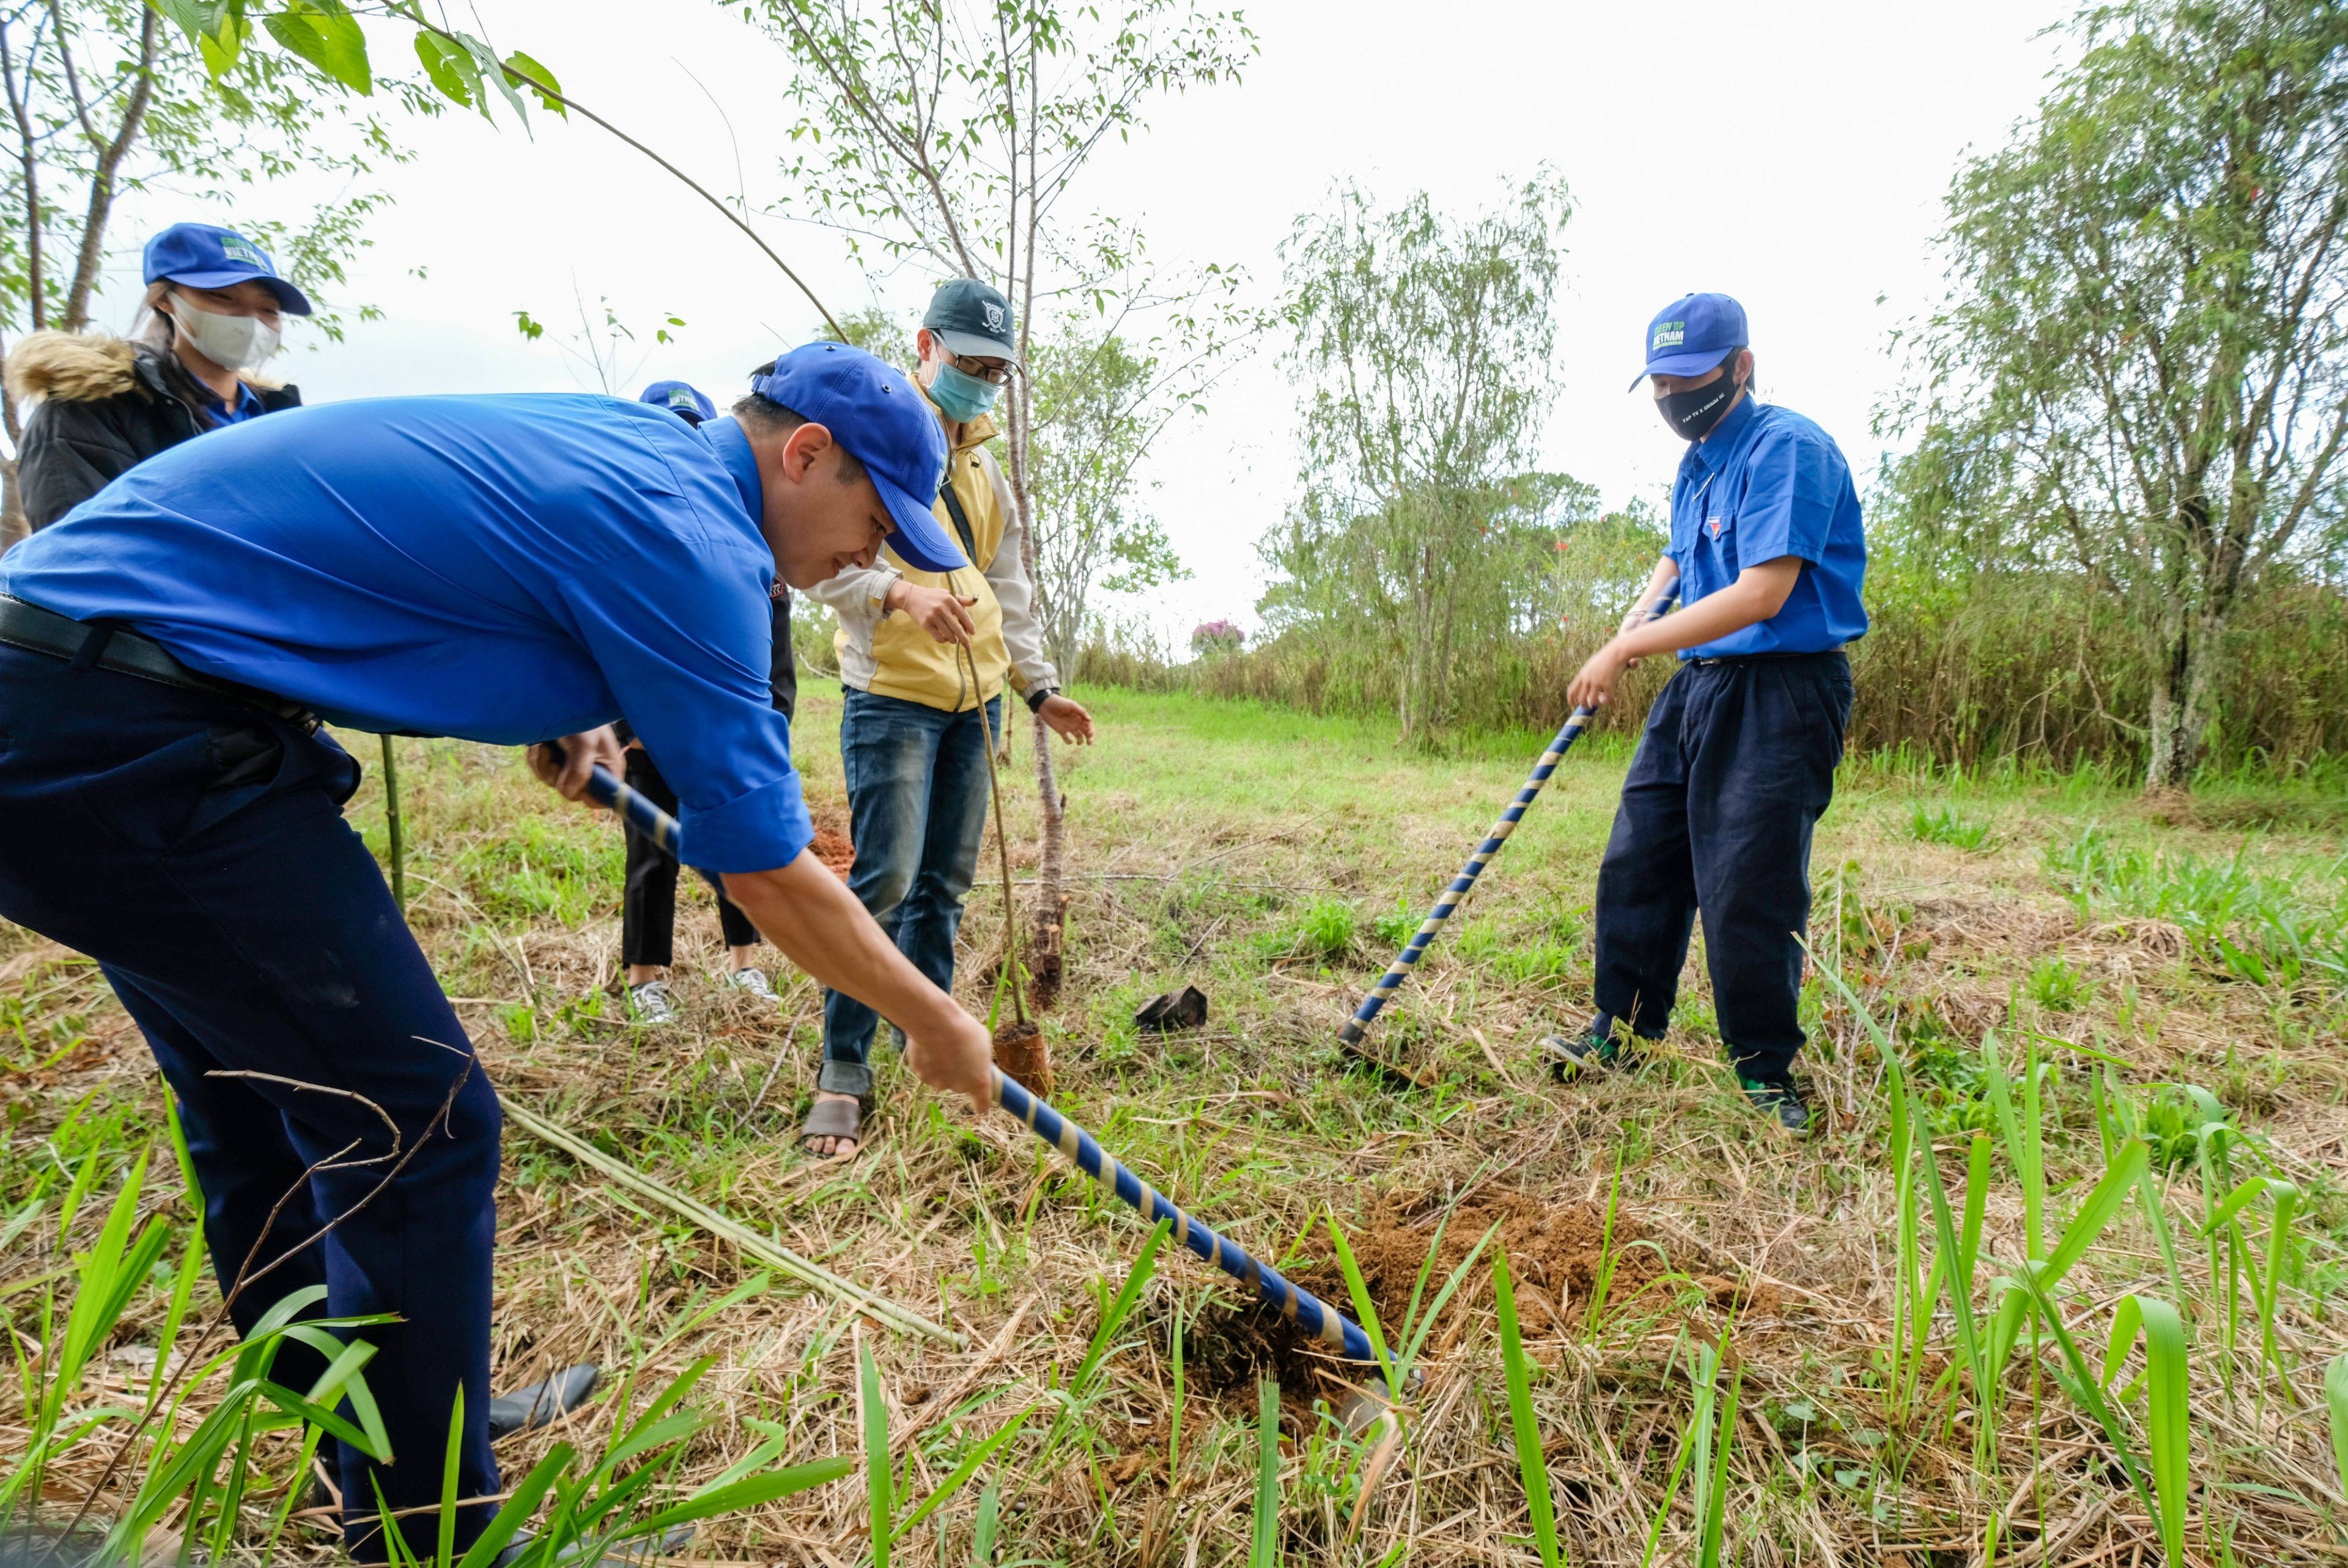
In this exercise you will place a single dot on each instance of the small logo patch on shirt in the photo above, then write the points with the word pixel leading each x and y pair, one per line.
pixel 1716 525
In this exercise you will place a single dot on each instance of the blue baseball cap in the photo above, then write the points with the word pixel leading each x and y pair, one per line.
pixel 1691 334
pixel 681 398
pixel 881 421
pixel 206 256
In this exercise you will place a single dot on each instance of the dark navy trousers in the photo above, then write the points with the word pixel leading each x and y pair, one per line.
pixel 195 848
pixel 1736 766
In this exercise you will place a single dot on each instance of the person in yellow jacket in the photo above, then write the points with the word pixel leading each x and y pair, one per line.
pixel 914 727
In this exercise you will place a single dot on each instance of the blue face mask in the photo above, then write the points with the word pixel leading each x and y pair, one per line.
pixel 960 396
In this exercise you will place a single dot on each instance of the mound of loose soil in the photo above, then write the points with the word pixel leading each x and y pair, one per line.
pixel 1556 1248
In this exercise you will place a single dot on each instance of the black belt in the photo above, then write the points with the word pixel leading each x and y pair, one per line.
pixel 1766 658
pixel 28 626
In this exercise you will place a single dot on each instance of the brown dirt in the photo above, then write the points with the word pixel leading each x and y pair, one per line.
pixel 1225 1349
pixel 1019 1051
pixel 1555 1248
pixel 834 850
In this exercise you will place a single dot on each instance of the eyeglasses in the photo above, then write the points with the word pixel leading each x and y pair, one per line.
pixel 994 372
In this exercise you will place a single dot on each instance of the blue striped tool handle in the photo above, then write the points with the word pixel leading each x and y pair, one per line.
pixel 1407 960
pixel 636 811
pixel 1312 1316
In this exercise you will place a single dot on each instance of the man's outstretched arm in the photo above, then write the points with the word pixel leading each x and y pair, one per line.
pixel 821 927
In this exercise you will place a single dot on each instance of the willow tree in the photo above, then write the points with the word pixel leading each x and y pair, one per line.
pixel 952 133
pixel 1423 349
pixel 2141 372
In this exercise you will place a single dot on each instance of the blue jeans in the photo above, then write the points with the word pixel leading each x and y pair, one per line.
pixel 917 807
pixel 195 848
pixel 1736 766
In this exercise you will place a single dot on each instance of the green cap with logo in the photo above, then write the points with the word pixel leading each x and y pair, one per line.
pixel 971 318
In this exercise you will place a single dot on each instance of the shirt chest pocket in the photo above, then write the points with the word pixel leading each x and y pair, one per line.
pixel 1716 530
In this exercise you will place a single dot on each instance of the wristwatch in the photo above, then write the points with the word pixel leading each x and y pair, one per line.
pixel 1039 695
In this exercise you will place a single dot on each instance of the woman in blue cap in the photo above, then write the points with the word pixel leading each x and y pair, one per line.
pixel 213 312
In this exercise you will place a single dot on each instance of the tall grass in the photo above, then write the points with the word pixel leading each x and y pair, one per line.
pixel 2032 667
pixel 201 1483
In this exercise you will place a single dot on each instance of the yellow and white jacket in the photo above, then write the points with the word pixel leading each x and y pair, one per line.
pixel 891 656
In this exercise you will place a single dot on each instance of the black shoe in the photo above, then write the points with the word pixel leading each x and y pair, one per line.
pixel 1781 1098
pixel 540 1402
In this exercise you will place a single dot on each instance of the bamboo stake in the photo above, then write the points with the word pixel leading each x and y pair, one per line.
pixel 727 1228
pixel 398 834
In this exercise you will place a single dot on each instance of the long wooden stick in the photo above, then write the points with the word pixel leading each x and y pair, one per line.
pixel 727 1228
pixel 392 823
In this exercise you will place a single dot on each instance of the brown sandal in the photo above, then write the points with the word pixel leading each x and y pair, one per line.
pixel 832 1119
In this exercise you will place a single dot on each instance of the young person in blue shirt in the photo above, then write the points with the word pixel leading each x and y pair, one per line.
pixel 1738 759
pixel 507 569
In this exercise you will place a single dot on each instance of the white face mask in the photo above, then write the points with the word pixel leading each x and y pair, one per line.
pixel 233 343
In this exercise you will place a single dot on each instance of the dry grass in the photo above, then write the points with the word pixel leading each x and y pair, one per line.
pixel 1202 831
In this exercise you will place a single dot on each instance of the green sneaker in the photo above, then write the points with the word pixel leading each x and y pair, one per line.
pixel 1604 1045
pixel 1781 1098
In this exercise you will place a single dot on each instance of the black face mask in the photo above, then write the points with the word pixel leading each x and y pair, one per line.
pixel 1693 414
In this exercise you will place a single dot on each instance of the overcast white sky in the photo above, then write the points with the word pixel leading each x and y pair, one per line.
pixel 1791 152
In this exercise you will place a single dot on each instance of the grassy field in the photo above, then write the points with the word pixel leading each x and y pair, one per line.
pixel 2114 1035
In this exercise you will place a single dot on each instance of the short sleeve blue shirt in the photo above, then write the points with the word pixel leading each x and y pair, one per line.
pixel 505 569
pixel 1769 484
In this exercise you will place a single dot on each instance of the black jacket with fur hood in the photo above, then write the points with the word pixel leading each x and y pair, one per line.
pixel 103 404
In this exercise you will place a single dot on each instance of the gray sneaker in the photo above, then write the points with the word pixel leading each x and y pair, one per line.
pixel 650 1003
pixel 755 982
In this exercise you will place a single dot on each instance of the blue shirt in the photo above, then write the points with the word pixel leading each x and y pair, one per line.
pixel 502 568
pixel 1765 485
pixel 247 406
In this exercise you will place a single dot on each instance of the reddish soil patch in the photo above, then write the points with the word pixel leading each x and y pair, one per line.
pixel 834 850
pixel 1555 1250
pixel 1019 1053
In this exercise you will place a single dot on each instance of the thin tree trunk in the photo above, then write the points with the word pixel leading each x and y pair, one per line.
pixel 2174 733
pixel 36 290
pixel 101 183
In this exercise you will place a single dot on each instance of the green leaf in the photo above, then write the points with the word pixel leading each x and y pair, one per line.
pixel 521 69
pixel 738 1496
pixel 518 1509
pixel 2126 1318
pixel 1532 1464
pixel 1264 1544
pixel 2335 1397
pixel 2170 1413
pixel 451 69
pixel 2087 1225
pixel 2238 1200
pixel 221 45
pixel 1113 1318
pixel 326 33
pixel 962 1473
pixel 878 1483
